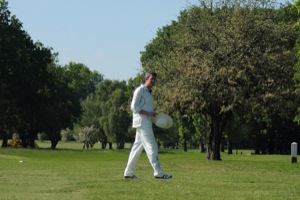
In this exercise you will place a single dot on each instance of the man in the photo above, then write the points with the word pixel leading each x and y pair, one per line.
pixel 142 107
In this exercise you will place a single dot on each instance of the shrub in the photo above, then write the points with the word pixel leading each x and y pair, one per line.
pixel 16 141
pixel 67 135
pixel 42 136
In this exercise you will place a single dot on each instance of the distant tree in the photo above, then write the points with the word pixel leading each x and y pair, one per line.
pixel 114 119
pixel 81 79
pixel 70 85
pixel 91 112
pixel 185 130
pixel 200 132
pixel 118 118
pixel 67 135
pixel 87 136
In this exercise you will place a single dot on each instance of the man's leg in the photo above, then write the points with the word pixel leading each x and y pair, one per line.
pixel 135 153
pixel 151 148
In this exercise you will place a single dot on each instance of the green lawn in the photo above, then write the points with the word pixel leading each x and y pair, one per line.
pixel 72 173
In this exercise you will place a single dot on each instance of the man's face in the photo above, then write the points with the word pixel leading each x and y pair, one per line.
pixel 150 81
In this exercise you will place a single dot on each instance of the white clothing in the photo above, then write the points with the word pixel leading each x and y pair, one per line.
pixel 144 138
pixel 142 99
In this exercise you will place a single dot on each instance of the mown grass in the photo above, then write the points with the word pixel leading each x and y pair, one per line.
pixel 72 173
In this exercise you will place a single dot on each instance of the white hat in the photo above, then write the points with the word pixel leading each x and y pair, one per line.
pixel 163 120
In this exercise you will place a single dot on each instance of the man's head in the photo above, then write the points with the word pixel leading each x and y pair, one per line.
pixel 150 78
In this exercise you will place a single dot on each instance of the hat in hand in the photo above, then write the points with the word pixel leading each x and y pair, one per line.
pixel 163 120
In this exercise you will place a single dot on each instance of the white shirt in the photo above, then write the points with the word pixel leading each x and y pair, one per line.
pixel 142 100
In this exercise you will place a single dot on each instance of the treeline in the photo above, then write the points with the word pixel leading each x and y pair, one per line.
pixel 228 75
pixel 229 72
pixel 36 94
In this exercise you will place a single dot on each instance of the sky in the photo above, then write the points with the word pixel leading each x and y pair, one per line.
pixel 105 35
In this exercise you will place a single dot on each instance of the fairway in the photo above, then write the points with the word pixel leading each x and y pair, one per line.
pixel 72 173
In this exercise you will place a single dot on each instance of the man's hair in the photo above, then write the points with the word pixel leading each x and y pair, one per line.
pixel 148 74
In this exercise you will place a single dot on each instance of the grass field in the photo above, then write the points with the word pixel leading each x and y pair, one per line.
pixel 72 173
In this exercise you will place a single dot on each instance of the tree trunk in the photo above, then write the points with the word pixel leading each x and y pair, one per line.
pixel 92 144
pixel 120 145
pixel 53 144
pixel 31 143
pixel 54 140
pixel 229 145
pixel 24 141
pixel 229 141
pixel 5 140
pixel 222 146
pixel 218 124
pixel 103 143
pixel 185 145
pixel 271 141
pixel 31 139
pixel 216 155
pixel 209 144
pixel 201 147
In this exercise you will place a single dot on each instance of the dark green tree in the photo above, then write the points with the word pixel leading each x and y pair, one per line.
pixel 23 79
pixel 36 94
pixel 81 79
pixel 70 85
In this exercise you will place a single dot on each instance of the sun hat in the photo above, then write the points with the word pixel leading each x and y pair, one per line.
pixel 163 120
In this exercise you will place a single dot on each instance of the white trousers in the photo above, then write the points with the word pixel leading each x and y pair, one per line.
pixel 144 139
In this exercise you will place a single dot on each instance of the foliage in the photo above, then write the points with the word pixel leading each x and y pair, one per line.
pixel 23 77
pixel 114 120
pixel 66 135
pixel 208 64
pixel 167 138
pixel 87 136
pixel 16 141
pixel 81 80
pixel 37 95
pixel 296 7
pixel 42 136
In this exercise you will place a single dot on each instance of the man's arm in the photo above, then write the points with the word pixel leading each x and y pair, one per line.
pixel 151 114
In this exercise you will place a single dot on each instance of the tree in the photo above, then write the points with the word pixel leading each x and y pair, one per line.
pixel 200 132
pixel 88 136
pixel 297 66
pixel 69 85
pixel 114 120
pixel 37 95
pixel 209 64
pixel 23 79
pixel 81 79
pixel 61 105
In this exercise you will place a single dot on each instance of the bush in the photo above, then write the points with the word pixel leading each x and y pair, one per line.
pixel 88 136
pixel 16 141
pixel 42 136
pixel 67 135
